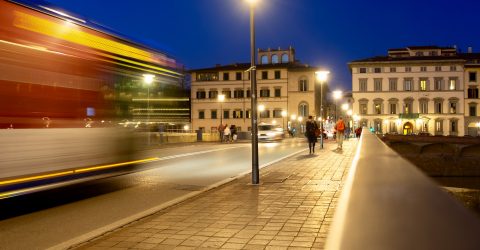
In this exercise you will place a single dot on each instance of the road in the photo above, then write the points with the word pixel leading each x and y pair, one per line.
pixel 60 217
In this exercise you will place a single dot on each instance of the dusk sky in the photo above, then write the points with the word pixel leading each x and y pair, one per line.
pixel 329 34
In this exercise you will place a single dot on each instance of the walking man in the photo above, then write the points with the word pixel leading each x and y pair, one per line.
pixel 340 128
pixel 221 128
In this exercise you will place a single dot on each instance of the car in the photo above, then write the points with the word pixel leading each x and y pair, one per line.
pixel 270 132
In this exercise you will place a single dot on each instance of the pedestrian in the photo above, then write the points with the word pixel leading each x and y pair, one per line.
pixel 358 132
pixel 347 133
pixel 311 130
pixel 227 133
pixel 221 129
pixel 233 131
pixel 340 128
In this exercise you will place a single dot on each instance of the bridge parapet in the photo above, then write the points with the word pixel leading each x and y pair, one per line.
pixel 387 203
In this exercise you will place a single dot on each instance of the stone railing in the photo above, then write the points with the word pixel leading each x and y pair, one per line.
pixel 387 203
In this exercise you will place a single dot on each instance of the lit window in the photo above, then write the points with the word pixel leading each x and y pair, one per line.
pixel 423 85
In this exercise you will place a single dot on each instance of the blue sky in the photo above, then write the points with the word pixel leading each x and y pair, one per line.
pixel 326 33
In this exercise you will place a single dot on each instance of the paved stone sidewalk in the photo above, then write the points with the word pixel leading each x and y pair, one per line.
pixel 291 209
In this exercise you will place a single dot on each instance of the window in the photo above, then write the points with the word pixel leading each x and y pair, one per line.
pixel 226 114
pixel 408 69
pixel 453 126
pixel 264 60
pixel 453 106
pixel 363 85
pixel 423 85
pixel 238 93
pixel 226 76
pixel 438 68
pixel 438 83
pixel 408 108
pixel 438 127
pixel 303 84
pixel 238 76
pixel 264 93
pixel 212 94
pixel 274 59
pixel 265 114
pixel 472 92
pixel 201 94
pixel 408 85
pixel 472 110
pixel 423 107
pixel 284 58
pixel 392 82
pixel 237 114
pixel 378 108
pixel 227 93
pixel 201 114
pixel 248 94
pixel 393 69
pixel 363 108
pixel 248 114
pixel 452 84
pixel 213 114
pixel 393 108
pixel 278 92
pixel 208 76
pixel 433 53
pixel 472 76
pixel 419 53
pixel 378 84
pixel 423 68
pixel 453 68
pixel 303 110
pixel 277 74
pixel 377 70
pixel 363 70
pixel 393 127
pixel 277 113
pixel 264 75
pixel 438 106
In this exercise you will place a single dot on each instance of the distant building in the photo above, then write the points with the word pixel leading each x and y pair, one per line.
pixel 285 86
pixel 415 89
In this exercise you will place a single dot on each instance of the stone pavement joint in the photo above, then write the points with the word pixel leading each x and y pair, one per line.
pixel 292 208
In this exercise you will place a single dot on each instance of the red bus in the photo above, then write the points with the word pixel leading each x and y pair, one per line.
pixel 62 96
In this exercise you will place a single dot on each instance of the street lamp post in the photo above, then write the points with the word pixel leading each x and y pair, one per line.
pixel 253 87
pixel 148 79
pixel 221 98
pixel 322 77
pixel 337 94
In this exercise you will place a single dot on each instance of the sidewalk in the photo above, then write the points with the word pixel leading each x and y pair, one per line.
pixel 292 208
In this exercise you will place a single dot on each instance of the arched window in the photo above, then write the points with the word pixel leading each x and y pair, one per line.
pixel 274 59
pixel 303 109
pixel 284 58
pixel 303 84
pixel 264 60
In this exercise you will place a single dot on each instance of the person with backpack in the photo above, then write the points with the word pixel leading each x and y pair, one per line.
pixel 340 128
pixel 311 133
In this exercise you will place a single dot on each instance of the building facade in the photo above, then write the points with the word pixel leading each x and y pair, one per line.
pixel 472 101
pixel 412 90
pixel 285 88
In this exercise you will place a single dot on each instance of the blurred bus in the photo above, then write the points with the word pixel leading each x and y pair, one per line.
pixel 70 92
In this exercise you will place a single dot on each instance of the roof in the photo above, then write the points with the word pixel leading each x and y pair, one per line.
pixel 245 66
pixel 428 47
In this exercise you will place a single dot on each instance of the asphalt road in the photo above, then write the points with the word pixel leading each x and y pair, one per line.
pixel 60 217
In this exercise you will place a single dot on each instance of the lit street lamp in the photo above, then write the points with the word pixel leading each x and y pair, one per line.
pixel 221 98
pixel 321 77
pixel 253 88
pixel 148 79
pixel 337 94
pixel 260 108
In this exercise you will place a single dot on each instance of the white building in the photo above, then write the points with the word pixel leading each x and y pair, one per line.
pixel 411 90
pixel 284 86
